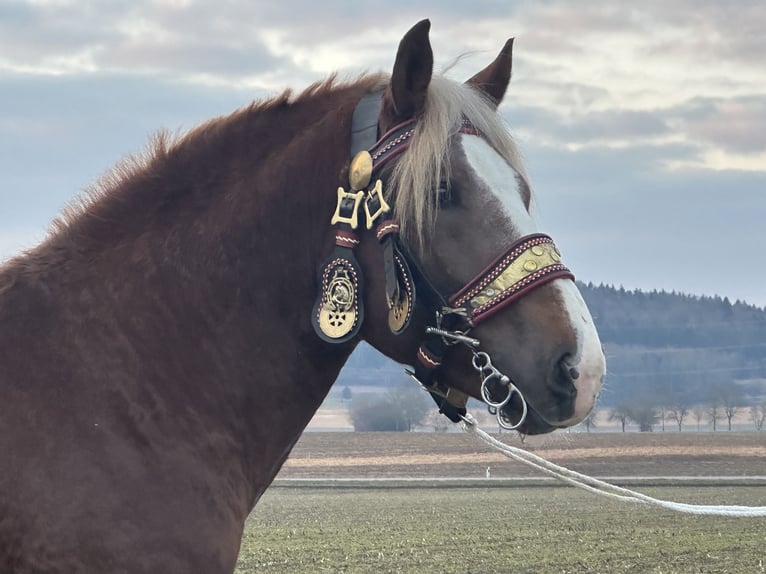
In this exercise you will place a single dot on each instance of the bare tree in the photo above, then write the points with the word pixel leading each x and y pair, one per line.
pixel 620 413
pixel 729 410
pixel 730 397
pixel 699 413
pixel 677 407
pixel 662 414
pixel 589 422
pixel 758 415
pixel 714 411
pixel 714 408
pixel 677 413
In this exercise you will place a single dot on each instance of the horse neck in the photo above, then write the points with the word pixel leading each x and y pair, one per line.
pixel 208 263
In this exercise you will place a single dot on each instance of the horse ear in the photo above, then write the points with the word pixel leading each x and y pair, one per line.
pixel 412 73
pixel 493 80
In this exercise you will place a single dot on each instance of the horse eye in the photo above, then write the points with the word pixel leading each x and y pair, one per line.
pixel 444 194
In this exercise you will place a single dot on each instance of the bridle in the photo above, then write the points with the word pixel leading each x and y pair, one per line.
pixel 338 313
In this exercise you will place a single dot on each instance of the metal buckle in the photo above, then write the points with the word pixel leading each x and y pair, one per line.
pixel 347 208
pixel 379 205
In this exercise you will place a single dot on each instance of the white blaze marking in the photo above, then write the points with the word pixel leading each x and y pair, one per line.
pixel 590 361
pixel 502 182
pixel 500 179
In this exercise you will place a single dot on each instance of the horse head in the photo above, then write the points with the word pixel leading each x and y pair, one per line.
pixel 505 320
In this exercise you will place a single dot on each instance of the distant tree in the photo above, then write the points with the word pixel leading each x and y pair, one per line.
pixel 411 402
pixel 662 411
pixel 644 415
pixel 437 421
pixel 714 408
pixel 589 422
pixel 758 415
pixel 369 413
pixel 714 412
pixel 620 413
pixel 677 409
pixel 400 409
pixel 698 411
pixel 346 394
pixel 731 398
pixel 729 410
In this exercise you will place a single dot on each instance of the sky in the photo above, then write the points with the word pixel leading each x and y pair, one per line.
pixel 642 125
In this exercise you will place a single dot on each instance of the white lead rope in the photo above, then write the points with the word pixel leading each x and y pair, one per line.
pixel 470 425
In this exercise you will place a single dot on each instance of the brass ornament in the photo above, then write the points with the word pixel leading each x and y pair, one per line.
pixel 399 314
pixel 529 265
pixel 360 170
pixel 338 312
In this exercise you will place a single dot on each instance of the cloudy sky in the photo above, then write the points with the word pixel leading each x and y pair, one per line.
pixel 643 125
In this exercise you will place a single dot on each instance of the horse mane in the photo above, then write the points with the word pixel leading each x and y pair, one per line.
pixel 419 170
pixel 102 208
pixel 416 175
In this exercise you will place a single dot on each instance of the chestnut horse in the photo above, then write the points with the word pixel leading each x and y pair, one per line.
pixel 165 346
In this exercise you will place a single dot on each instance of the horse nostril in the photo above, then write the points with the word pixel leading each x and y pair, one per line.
pixel 564 376
pixel 574 373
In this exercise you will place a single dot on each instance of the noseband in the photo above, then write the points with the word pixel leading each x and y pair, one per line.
pixel 527 264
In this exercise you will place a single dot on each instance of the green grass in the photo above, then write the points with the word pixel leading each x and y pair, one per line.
pixel 495 530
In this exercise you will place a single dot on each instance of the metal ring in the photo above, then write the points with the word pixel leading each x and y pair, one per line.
pixel 483 356
pixel 485 392
pixel 502 419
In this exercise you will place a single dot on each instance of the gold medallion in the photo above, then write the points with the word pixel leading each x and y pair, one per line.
pixel 339 310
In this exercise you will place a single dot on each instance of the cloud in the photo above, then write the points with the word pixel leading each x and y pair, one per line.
pixel 59 134
pixel 735 124
pixel 618 220
pixel 594 127
pixel 640 123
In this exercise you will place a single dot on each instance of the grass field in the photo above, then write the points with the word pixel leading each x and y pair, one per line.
pixel 495 530
pixel 481 526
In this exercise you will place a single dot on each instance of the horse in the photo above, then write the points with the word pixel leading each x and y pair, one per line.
pixel 163 348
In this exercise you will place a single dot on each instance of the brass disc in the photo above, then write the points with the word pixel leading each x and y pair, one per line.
pixel 399 314
pixel 336 324
pixel 360 170
pixel 338 312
